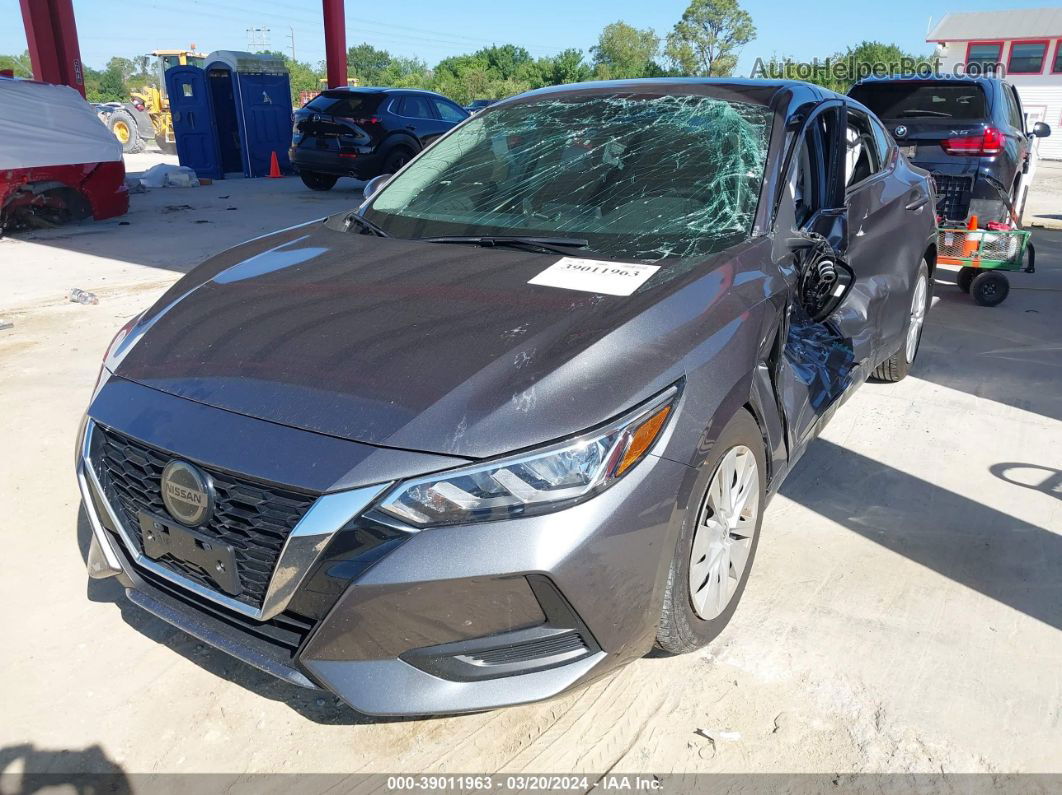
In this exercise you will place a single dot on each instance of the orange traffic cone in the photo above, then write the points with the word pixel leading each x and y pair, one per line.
pixel 274 167
pixel 969 246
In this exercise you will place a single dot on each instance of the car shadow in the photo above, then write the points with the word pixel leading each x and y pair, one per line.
pixel 318 706
pixel 26 769
pixel 994 553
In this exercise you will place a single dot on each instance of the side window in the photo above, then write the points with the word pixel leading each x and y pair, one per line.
pixel 805 198
pixel 884 142
pixel 811 178
pixel 862 158
pixel 448 111
pixel 1014 106
pixel 415 108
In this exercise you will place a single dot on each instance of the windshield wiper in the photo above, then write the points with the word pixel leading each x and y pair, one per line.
pixel 557 245
pixel 918 112
pixel 365 224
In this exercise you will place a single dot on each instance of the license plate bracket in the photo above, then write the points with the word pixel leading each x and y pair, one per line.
pixel 216 559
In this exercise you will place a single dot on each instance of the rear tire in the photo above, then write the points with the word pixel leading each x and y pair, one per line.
pixel 897 366
pixel 397 158
pixel 990 288
pixel 315 181
pixel 682 628
pixel 965 278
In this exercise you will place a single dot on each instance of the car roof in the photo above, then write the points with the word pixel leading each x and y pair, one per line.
pixel 382 90
pixel 755 91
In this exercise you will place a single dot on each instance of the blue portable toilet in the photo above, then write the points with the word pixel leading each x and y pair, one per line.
pixel 231 115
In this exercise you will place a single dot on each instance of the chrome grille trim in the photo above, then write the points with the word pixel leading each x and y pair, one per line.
pixel 303 546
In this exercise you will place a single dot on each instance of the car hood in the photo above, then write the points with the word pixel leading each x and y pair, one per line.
pixel 433 347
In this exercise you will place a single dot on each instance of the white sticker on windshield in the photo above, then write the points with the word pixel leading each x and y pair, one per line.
pixel 595 276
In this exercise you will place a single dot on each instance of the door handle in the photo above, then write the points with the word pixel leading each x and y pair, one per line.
pixel 917 204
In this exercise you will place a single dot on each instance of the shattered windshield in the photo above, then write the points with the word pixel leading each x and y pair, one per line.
pixel 639 177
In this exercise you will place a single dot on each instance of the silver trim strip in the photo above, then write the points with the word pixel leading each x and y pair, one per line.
pixel 304 545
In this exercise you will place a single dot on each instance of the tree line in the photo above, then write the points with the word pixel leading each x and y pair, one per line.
pixel 706 41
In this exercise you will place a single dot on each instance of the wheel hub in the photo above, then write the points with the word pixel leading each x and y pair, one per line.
pixel 722 539
pixel 918 317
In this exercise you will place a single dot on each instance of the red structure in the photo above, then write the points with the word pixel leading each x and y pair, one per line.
pixel 335 30
pixel 52 37
pixel 51 34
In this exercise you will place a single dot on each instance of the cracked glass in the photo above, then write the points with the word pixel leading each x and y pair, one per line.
pixel 637 177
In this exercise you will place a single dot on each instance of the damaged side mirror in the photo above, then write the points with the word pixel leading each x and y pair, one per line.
pixel 823 282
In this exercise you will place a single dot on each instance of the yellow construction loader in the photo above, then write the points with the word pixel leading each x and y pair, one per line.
pixel 147 116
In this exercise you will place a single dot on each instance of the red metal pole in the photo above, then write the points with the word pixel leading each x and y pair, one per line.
pixel 335 31
pixel 51 34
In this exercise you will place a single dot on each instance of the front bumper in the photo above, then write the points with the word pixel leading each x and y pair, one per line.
pixel 446 620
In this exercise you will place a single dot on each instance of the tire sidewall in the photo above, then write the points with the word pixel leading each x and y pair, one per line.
pixel 399 150
pixel 691 630
pixel 129 146
pixel 1002 292
pixel 923 271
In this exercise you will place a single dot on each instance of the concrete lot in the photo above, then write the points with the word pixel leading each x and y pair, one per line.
pixel 903 615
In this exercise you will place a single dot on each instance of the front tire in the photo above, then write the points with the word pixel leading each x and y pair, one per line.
pixel 966 277
pixel 123 127
pixel 897 366
pixel 315 181
pixel 717 544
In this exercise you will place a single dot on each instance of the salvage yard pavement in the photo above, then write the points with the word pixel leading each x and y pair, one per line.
pixel 904 613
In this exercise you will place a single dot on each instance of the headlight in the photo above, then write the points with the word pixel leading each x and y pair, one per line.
pixel 535 482
pixel 116 351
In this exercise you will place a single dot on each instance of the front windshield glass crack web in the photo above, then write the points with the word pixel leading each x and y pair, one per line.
pixel 641 177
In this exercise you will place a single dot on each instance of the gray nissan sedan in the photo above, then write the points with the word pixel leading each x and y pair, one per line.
pixel 514 420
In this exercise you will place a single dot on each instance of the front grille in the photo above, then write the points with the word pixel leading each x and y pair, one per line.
pixel 953 196
pixel 254 518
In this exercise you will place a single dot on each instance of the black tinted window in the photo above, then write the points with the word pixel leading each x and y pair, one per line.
pixel 1058 57
pixel 415 108
pixel 344 104
pixel 912 100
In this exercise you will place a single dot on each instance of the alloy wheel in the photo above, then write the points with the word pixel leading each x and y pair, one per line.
pixel 918 317
pixel 722 539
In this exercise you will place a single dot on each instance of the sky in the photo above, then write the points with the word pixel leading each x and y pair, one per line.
pixel 432 30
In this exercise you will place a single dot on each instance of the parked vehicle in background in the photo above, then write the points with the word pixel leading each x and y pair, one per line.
pixel 146 117
pixel 63 170
pixel 969 132
pixel 517 417
pixel 362 132
pixel 477 105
